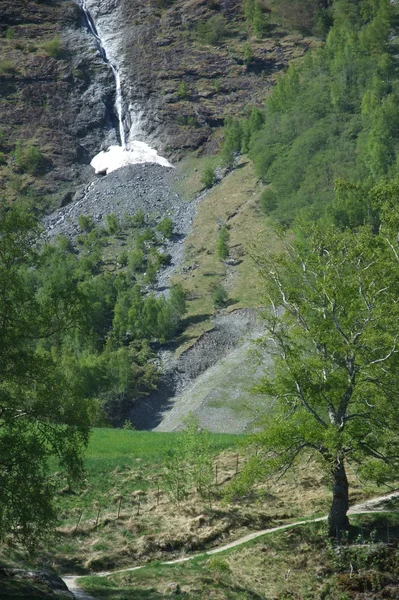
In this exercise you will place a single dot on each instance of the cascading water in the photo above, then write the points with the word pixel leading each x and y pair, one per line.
pixel 116 157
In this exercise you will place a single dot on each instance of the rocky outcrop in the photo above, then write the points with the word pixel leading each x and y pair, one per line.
pixel 159 49
pixel 35 585
pixel 56 94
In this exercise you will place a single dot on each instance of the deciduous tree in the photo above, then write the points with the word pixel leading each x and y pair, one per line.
pixel 332 321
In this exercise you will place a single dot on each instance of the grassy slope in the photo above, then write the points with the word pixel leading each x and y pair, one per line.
pixel 124 464
pixel 298 563
pixel 234 202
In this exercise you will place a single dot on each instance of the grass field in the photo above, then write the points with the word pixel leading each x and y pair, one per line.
pixel 299 564
pixel 123 515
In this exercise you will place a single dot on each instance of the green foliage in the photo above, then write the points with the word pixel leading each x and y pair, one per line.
pixel 232 141
pixel 137 262
pixel 183 91
pixel 136 220
pixel 10 33
pixel 166 227
pixel 28 158
pixel 7 67
pixel 112 224
pixel 307 16
pixel 208 177
pixel 189 463
pixel 335 116
pixel 248 54
pixel 54 47
pixel 219 297
pixel 43 413
pixel 268 200
pixel 214 30
pixel 222 244
pixel 335 355
pixel 123 259
pixel 85 222
pixel 255 17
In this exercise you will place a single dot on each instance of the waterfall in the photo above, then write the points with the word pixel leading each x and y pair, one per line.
pixel 116 157
pixel 114 68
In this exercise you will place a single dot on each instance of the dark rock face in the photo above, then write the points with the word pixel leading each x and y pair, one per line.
pixel 33 584
pixel 62 104
pixel 63 101
pixel 159 49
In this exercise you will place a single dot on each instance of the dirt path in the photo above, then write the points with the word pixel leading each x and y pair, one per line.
pixel 368 506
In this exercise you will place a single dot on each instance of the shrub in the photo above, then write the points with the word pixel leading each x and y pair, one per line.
pixel 123 259
pixel 214 30
pixel 247 54
pixel 9 33
pixel 2 158
pixel 53 47
pixel 136 220
pixel 208 177
pixel 137 261
pixel 85 222
pixel 7 67
pixel 182 90
pixel 219 296
pixel 166 227
pixel 28 158
pixel 222 244
pixel 112 224
pixel 268 200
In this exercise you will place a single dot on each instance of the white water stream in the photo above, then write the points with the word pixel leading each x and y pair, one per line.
pixel 130 153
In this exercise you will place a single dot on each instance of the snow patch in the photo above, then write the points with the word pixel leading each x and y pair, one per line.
pixel 116 157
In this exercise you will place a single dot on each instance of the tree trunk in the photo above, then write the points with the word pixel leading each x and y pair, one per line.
pixel 337 519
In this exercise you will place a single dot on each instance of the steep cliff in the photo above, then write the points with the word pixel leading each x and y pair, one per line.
pixel 56 96
pixel 185 66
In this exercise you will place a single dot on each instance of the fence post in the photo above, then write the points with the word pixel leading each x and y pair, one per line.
pixel 216 474
pixel 98 516
pixel 236 464
pixel 78 523
pixel 138 505
pixel 158 495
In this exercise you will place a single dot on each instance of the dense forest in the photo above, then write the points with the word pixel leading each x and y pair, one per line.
pixel 332 117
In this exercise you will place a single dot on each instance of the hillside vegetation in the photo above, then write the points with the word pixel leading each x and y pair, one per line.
pixel 333 116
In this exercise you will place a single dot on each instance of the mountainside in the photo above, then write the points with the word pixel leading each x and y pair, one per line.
pixel 58 94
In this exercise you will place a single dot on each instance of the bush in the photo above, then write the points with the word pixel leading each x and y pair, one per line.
pixel 85 222
pixel 182 90
pixel 248 54
pixel 123 259
pixel 53 47
pixel 219 296
pixel 208 177
pixel 28 158
pixel 222 244
pixel 136 220
pixel 214 30
pixel 166 227
pixel 137 262
pixel 268 200
pixel 7 67
pixel 112 224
